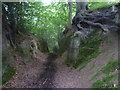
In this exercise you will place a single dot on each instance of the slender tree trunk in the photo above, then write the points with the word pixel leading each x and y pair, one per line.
pixel 70 13
pixel 75 39
pixel 118 13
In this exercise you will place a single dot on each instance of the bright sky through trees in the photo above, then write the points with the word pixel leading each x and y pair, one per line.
pixel 47 2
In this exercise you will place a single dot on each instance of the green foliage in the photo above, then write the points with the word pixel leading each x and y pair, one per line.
pixel 43 46
pixel 43 21
pixel 110 67
pixel 105 82
pixel 69 63
pixel 63 44
pixel 55 50
pixel 95 5
pixel 8 75
pixel 96 75
pixel 89 49
pixel 24 50
pixel 50 22
pixel 46 22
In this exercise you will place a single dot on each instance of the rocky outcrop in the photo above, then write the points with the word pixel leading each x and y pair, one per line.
pixel 28 47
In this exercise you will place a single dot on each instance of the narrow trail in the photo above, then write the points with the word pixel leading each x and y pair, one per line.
pixel 50 71
pixel 47 76
pixel 67 77
pixel 38 73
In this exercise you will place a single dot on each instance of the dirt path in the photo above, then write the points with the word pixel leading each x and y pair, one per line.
pixel 27 75
pixel 48 72
pixel 72 78
pixel 36 74
pixel 47 76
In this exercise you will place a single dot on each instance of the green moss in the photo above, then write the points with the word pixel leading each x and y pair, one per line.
pixel 63 45
pixel 24 53
pixel 89 49
pixel 105 82
pixel 110 67
pixel 96 75
pixel 8 75
pixel 69 63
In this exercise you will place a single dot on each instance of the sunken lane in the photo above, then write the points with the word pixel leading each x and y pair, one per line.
pixel 47 76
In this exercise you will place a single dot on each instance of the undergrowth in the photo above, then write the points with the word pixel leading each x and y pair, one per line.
pixel 89 49
pixel 110 67
pixel 105 82
pixel 8 75
pixel 93 6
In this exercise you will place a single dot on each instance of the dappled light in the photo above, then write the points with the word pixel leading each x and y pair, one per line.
pixel 60 44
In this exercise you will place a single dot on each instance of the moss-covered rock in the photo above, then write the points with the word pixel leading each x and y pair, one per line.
pixel 24 49
pixel 28 47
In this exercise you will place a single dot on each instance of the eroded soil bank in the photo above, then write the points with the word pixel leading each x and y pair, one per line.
pixel 50 71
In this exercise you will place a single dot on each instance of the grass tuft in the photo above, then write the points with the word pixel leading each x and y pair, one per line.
pixel 89 49
pixel 8 75
pixel 110 67
pixel 105 82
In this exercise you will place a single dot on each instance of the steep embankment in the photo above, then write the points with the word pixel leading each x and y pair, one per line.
pixel 26 74
pixel 46 72
pixel 68 77
pixel 39 73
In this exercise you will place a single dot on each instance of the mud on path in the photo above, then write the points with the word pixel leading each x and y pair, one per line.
pixel 49 71
pixel 39 73
pixel 67 77
pixel 47 76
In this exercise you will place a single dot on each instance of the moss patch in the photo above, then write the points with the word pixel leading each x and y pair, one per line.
pixel 63 44
pixel 96 75
pixel 69 63
pixel 89 49
pixel 105 82
pixel 110 67
pixel 8 75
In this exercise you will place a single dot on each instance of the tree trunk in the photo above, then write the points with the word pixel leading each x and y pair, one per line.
pixel 70 13
pixel 118 15
pixel 73 51
pixel 81 7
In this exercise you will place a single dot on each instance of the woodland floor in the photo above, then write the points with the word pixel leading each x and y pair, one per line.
pixel 49 71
